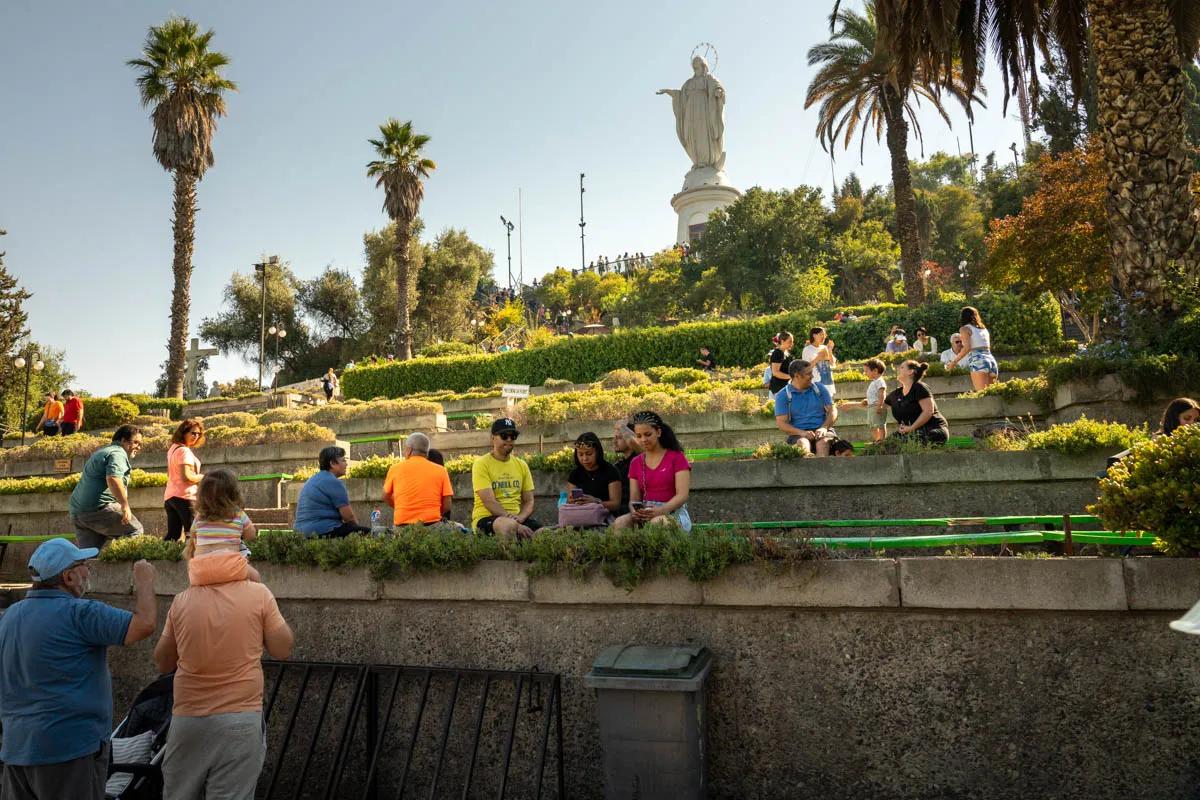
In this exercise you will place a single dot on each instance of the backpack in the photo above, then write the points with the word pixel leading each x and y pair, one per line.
pixel 767 372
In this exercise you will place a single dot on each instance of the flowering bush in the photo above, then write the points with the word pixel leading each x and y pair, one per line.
pixel 233 419
pixel 624 377
pixel 52 447
pixel 275 433
pixel 1154 488
pixel 335 413
pixel 676 376
pixel 42 485
pixel 667 400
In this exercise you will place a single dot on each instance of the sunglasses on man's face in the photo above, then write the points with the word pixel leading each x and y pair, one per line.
pixel 509 437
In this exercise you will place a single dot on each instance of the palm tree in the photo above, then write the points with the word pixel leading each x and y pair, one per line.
pixel 400 169
pixel 856 87
pixel 180 78
pixel 1140 49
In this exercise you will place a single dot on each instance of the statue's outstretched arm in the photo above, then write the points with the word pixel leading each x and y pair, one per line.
pixel 672 92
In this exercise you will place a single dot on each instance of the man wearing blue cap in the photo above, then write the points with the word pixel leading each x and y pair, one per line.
pixel 55 687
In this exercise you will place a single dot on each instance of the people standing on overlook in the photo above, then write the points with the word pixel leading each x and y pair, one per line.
pixel 977 349
pixel 914 408
pixel 72 419
pixel 183 475
pixel 819 353
pixel 778 361
pixel 503 487
pixel 660 476
pixel 52 414
pixel 55 685
pixel 99 504
pixel 804 410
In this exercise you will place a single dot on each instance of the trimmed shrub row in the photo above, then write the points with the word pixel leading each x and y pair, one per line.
pixel 1030 326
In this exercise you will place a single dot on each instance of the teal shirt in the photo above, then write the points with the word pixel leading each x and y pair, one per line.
pixel 91 493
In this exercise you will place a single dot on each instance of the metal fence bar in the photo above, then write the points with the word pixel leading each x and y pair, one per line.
pixel 545 738
pixel 437 772
pixel 508 742
pixel 487 685
pixel 416 730
pixel 387 718
pixel 312 743
pixel 339 760
pixel 287 736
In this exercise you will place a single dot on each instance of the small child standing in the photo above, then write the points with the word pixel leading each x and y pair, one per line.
pixel 876 390
pixel 220 526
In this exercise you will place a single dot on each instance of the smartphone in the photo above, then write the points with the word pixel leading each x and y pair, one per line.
pixel 637 505
pixel 577 493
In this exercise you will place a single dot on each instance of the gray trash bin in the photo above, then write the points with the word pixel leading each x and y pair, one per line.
pixel 650 702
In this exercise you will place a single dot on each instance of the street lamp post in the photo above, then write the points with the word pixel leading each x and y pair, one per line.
pixel 582 224
pixel 278 333
pixel 32 364
pixel 261 269
pixel 508 229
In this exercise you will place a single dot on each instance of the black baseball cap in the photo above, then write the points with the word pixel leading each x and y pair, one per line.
pixel 502 425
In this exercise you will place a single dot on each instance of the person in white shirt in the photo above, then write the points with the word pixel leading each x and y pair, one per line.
pixel 925 345
pixel 956 346
pixel 819 353
pixel 876 391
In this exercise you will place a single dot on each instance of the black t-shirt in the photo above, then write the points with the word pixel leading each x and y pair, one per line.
pixel 622 468
pixel 708 362
pixel 906 408
pixel 595 483
pixel 783 358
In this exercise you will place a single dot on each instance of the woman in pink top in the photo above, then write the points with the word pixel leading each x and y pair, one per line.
pixel 659 477
pixel 183 475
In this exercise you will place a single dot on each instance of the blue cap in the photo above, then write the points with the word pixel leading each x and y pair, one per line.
pixel 56 555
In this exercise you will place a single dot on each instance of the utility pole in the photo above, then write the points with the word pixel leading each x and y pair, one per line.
pixel 520 243
pixel 582 255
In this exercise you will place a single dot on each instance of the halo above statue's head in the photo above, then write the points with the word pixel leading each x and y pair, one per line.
pixel 706 53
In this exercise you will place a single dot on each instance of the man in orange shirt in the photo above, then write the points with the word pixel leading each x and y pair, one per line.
pixel 213 640
pixel 416 488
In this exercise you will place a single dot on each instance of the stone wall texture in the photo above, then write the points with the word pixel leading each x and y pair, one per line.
pixel 909 678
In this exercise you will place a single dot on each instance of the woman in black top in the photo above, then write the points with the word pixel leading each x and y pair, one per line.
pixel 914 408
pixel 597 479
pixel 779 360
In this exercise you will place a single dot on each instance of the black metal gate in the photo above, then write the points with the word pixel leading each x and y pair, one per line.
pixel 375 731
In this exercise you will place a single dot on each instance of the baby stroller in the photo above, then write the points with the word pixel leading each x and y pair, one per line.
pixel 138 743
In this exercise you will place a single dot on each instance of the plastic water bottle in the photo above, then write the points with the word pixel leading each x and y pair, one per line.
pixel 562 498
pixel 377 522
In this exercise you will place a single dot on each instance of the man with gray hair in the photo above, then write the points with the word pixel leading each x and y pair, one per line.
pixel 418 489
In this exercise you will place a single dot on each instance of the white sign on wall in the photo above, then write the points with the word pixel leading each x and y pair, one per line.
pixel 515 391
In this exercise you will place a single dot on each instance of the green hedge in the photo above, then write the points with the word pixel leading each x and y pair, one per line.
pixel 1034 326
pixel 146 403
pixel 107 412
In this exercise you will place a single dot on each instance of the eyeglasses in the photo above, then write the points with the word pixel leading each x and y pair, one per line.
pixel 510 436
pixel 197 434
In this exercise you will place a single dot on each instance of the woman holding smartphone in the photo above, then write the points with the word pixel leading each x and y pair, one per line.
pixel 659 478
pixel 593 480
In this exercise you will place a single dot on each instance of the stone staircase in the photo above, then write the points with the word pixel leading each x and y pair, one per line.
pixel 270 517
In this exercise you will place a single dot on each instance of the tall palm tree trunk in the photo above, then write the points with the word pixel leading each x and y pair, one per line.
pixel 1140 103
pixel 403 318
pixel 184 225
pixel 906 201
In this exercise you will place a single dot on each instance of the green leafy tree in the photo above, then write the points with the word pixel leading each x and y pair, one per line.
pixel 760 243
pixel 1066 117
pixel 12 327
pixel 181 79
pixel 379 288
pixel 858 85
pixel 865 262
pixel 52 377
pixel 454 265
pixel 400 171
pixel 333 301
pixel 957 226
pixel 1140 49
pixel 237 327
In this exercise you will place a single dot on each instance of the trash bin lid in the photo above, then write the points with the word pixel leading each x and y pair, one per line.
pixel 631 660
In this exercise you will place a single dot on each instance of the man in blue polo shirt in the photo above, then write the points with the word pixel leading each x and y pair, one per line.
pixel 55 687
pixel 323 508
pixel 804 410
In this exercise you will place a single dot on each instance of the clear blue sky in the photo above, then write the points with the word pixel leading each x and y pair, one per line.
pixel 520 95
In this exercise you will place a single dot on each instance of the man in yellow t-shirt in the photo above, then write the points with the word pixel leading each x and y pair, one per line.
pixel 417 488
pixel 503 487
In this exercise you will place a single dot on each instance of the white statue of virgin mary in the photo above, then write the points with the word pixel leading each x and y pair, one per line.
pixel 699 107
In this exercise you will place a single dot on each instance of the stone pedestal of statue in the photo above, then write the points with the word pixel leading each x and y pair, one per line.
pixel 694 206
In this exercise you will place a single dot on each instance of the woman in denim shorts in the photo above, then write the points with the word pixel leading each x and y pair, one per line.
pixel 977 350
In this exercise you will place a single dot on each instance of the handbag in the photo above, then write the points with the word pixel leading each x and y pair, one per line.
pixel 582 515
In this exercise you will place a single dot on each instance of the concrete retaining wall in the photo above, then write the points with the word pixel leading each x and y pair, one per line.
pixel 910 678
pixel 954 484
